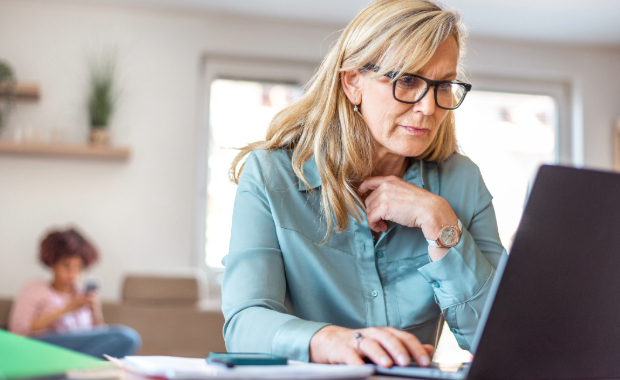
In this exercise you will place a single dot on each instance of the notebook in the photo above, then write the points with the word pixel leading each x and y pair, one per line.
pixel 22 357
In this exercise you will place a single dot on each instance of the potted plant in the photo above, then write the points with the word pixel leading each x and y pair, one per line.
pixel 7 91
pixel 101 98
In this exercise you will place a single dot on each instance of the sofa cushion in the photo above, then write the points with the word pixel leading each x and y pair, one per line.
pixel 167 330
pixel 161 290
pixel 5 309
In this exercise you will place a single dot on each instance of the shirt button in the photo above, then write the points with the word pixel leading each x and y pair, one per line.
pixel 454 331
pixel 380 254
pixel 374 294
pixel 436 284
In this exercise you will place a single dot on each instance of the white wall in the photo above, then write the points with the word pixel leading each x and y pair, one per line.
pixel 140 213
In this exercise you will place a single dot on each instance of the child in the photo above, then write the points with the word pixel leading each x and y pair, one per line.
pixel 62 314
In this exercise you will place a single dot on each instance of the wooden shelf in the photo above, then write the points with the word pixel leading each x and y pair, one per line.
pixel 64 150
pixel 25 91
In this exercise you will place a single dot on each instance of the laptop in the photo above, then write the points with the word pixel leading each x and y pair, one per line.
pixel 554 308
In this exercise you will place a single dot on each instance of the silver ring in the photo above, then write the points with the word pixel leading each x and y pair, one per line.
pixel 359 338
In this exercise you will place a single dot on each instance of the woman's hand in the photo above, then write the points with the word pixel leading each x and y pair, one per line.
pixel 45 321
pixel 385 346
pixel 77 301
pixel 94 304
pixel 401 202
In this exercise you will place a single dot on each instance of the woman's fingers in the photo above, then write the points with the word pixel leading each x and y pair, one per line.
pixel 371 183
pixel 394 346
pixel 385 346
pixel 429 349
pixel 371 348
pixel 419 352
pixel 352 357
pixel 376 218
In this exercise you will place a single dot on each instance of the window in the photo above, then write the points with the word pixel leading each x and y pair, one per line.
pixel 241 96
pixel 508 136
pixel 240 112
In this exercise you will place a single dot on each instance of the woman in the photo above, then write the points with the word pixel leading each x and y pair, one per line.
pixel 62 314
pixel 359 209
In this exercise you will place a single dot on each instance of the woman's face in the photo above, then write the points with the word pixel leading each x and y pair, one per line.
pixel 67 271
pixel 400 128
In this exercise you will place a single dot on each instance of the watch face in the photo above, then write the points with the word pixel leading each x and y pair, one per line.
pixel 449 236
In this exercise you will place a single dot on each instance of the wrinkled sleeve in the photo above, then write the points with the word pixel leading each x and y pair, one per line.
pixel 254 283
pixel 462 278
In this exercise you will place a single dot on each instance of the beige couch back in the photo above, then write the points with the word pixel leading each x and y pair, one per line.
pixel 150 289
pixel 165 311
pixel 5 309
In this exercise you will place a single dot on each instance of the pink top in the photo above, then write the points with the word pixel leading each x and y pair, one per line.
pixel 38 298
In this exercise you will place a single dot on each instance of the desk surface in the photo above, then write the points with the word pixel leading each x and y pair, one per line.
pixel 132 376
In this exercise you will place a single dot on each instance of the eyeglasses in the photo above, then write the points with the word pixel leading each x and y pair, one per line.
pixel 411 88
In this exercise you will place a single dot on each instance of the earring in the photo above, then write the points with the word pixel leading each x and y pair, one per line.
pixel 356 109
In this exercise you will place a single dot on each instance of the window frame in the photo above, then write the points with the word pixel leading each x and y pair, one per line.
pixel 566 140
pixel 218 66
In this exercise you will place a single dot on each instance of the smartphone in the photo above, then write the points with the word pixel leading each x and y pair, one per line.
pixel 232 359
pixel 91 286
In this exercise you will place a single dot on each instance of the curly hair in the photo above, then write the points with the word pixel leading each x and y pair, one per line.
pixel 59 244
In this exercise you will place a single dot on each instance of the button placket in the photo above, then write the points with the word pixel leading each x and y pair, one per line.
pixel 370 276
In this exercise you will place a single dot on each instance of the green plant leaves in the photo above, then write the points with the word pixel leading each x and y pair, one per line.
pixel 102 96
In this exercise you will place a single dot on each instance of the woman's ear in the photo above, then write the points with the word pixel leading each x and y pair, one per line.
pixel 352 85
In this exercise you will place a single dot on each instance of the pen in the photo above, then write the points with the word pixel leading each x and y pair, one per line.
pixel 221 362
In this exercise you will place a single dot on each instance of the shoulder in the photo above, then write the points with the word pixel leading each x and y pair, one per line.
pixel 37 286
pixel 266 159
pixel 459 166
pixel 268 167
pixel 460 175
pixel 35 290
pixel 461 170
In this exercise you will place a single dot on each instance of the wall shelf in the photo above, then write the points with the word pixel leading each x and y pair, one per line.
pixel 64 150
pixel 22 91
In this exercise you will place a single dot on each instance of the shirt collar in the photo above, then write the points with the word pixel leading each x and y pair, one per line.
pixel 414 175
pixel 311 172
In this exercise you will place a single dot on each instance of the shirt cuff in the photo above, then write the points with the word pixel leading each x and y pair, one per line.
pixel 292 340
pixel 460 274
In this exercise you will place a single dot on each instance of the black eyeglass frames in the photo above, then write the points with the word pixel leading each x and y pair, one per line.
pixel 411 88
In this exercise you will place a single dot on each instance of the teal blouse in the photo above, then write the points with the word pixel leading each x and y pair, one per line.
pixel 281 284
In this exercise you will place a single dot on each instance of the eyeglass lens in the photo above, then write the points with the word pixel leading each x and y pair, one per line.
pixel 412 89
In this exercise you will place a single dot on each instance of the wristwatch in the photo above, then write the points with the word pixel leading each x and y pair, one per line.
pixel 448 236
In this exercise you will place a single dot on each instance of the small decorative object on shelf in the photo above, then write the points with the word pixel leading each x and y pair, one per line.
pixel 99 137
pixel 102 97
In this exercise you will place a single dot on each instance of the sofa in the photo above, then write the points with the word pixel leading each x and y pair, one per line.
pixel 167 312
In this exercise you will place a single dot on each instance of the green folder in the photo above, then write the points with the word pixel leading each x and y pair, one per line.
pixel 26 358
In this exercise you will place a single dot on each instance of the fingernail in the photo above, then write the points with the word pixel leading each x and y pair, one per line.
pixel 402 360
pixel 425 360
pixel 385 361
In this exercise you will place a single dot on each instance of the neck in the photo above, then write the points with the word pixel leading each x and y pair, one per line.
pixel 387 164
pixel 61 288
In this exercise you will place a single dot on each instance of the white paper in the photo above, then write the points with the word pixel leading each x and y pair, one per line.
pixel 191 369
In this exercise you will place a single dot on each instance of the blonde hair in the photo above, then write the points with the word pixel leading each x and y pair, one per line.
pixel 398 35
